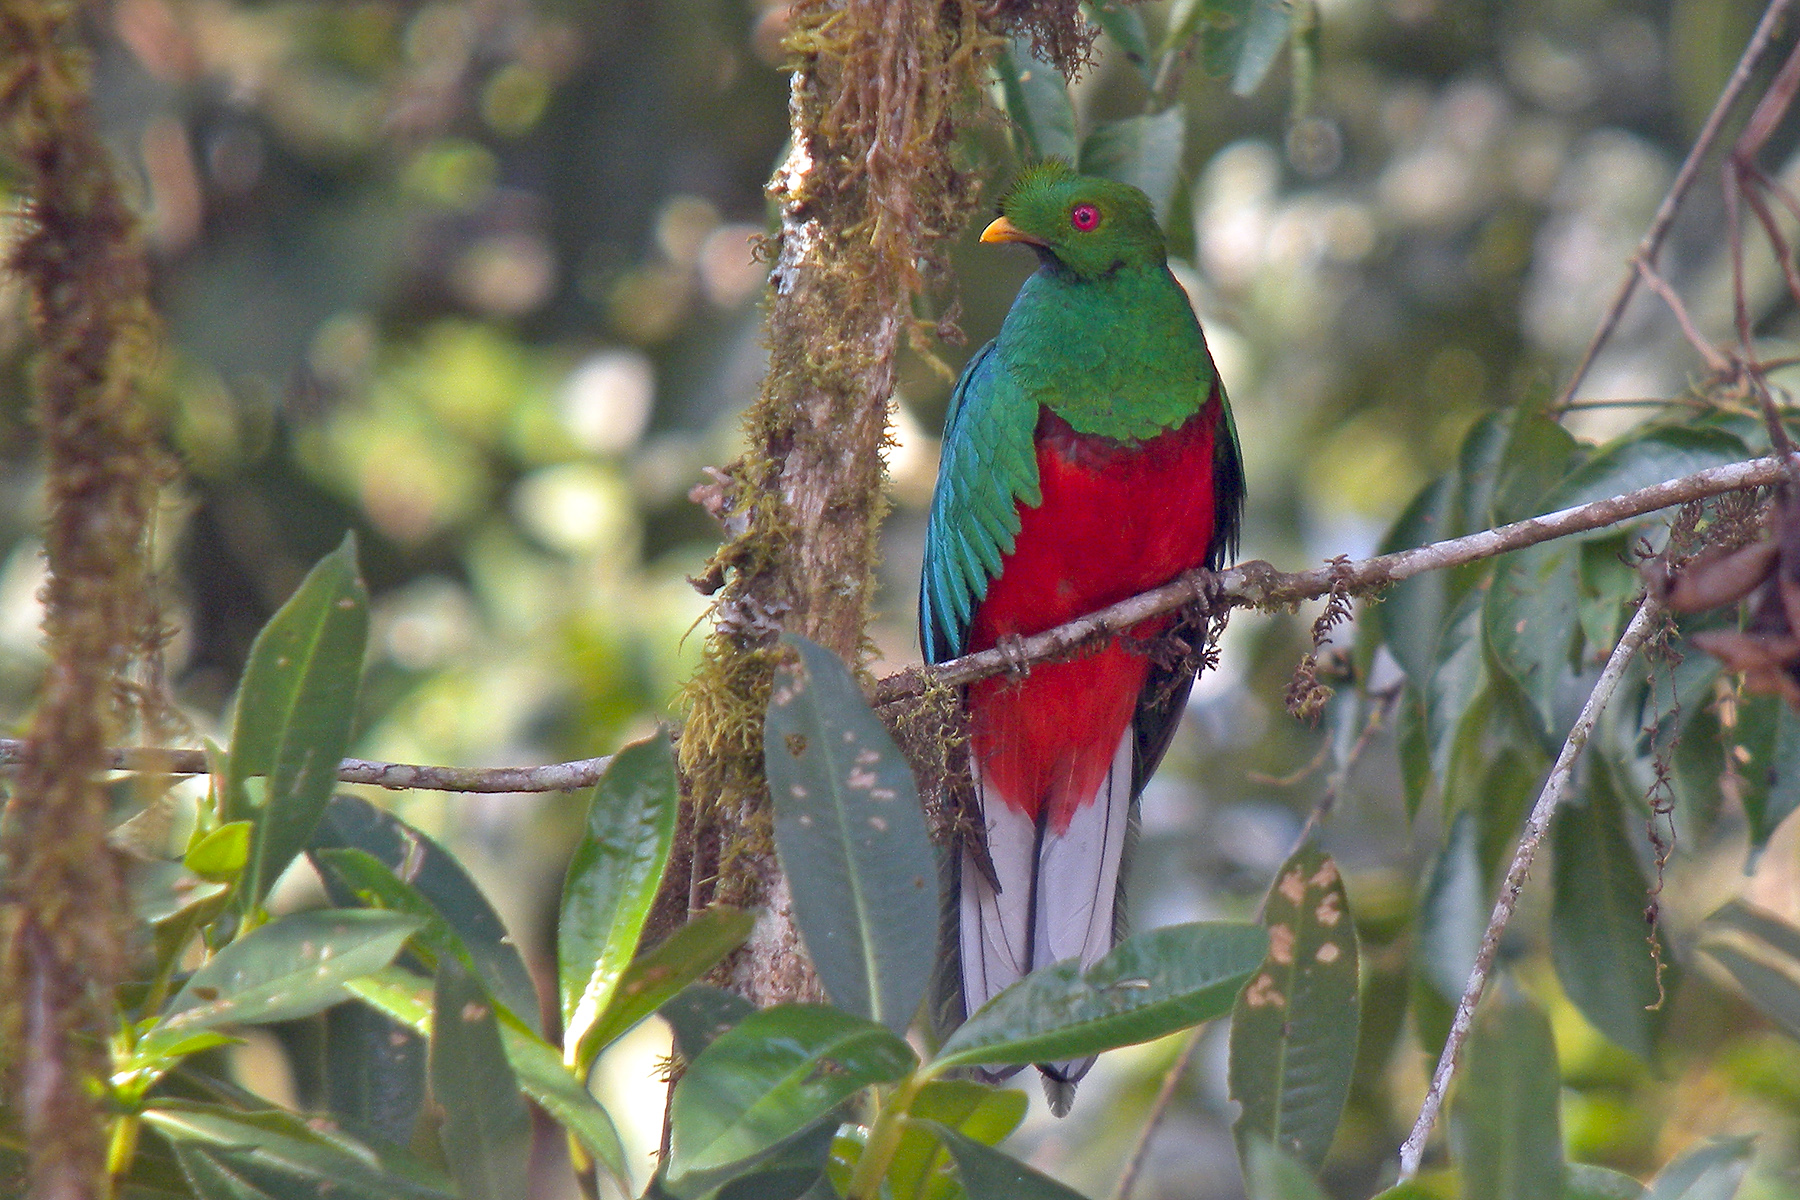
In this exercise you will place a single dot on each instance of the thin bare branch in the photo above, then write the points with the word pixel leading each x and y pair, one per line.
pixel 1159 1108
pixel 554 777
pixel 1716 362
pixel 1555 787
pixel 1684 178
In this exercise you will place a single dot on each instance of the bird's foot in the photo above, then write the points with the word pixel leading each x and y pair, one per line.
pixel 1012 648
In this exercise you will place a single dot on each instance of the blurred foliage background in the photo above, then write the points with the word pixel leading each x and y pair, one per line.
pixel 476 279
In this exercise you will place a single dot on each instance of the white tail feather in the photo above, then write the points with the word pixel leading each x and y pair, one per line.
pixel 996 927
pixel 1080 870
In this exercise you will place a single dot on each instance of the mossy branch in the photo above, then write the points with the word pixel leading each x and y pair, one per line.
pixel 63 914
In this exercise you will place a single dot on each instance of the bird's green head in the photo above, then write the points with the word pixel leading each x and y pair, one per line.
pixel 1081 223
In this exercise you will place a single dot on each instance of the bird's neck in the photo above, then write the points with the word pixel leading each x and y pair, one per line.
pixel 1119 357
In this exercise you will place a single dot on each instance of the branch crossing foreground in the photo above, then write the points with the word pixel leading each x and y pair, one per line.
pixel 1254 584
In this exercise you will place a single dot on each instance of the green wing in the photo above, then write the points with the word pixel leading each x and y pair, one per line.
pixel 988 468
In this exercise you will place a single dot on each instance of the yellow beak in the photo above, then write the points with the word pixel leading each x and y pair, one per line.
pixel 1003 230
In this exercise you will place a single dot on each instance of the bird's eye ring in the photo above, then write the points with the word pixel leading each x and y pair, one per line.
pixel 1084 217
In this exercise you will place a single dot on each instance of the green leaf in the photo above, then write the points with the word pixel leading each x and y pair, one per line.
pixel 213 1180
pixel 1712 1172
pixel 1774 991
pixel 1456 694
pixel 1144 151
pixel 432 884
pixel 292 967
pixel 542 1076
pixel 1271 1175
pixel 699 1014
pixel 1584 1182
pixel 656 977
pixel 612 882
pixel 222 854
pixel 163 891
pixel 1539 453
pixel 1769 731
pixel 1265 31
pixel 989 1174
pixel 1037 100
pixel 273 1149
pixel 791 1173
pixel 374 1073
pixel 294 712
pixel 1453 916
pixel 486 1133
pixel 1151 984
pixel 1293 1031
pixel 851 836
pixel 1505 1135
pixel 768 1080
pixel 1597 930
pixel 920 1168
pixel 1125 27
pixel 1533 627
pixel 1411 613
pixel 1640 460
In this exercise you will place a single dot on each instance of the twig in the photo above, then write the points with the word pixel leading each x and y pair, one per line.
pixel 1716 362
pixel 1258 585
pixel 1159 1108
pixel 1536 827
pixel 1684 179
pixel 555 777
pixel 1252 584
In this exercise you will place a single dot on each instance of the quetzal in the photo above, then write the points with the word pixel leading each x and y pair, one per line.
pixel 1089 454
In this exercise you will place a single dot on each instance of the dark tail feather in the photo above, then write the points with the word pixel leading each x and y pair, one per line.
pixel 1059 1083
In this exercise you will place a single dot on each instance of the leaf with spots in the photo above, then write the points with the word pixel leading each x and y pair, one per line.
pixel 1293 1032
pixel 656 976
pixel 766 1083
pixel 851 837
pixel 486 1134
pixel 294 711
pixel 1150 985
pixel 291 967
pixel 612 882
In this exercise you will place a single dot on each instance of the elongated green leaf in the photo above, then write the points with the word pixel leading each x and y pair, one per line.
pixel 1748 919
pixel 768 1080
pixel 1151 984
pixel 1456 695
pixel 1584 1182
pixel 293 715
pixel 1539 453
pixel 1533 627
pixel 486 1134
pixel 1411 613
pixel 794 1172
pixel 653 978
pixel 434 886
pixel 990 1174
pixel 921 1169
pixel 1293 1031
pixel 1775 992
pixel 1712 1172
pixel 279 1150
pixel 1144 151
pixel 1453 914
pixel 542 1076
pixel 1597 930
pixel 1265 32
pixel 1271 1175
pixel 1125 27
pixel 213 1180
pixel 699 1014
pixel 612 882
pixel 1505 1135
pixel 292 967
pixel 1037 100
pixel 1639 460
pixel 851 837
pixel 1768 730
pixel 374 1073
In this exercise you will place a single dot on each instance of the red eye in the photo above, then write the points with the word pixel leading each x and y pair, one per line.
pixel 1084 217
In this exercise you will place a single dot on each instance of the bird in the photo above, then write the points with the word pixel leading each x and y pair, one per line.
pixel 1089 454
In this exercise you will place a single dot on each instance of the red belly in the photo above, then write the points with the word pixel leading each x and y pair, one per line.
pixel 1115 520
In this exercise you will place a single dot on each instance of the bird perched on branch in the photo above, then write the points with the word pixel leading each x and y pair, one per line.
pixel 1089 454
